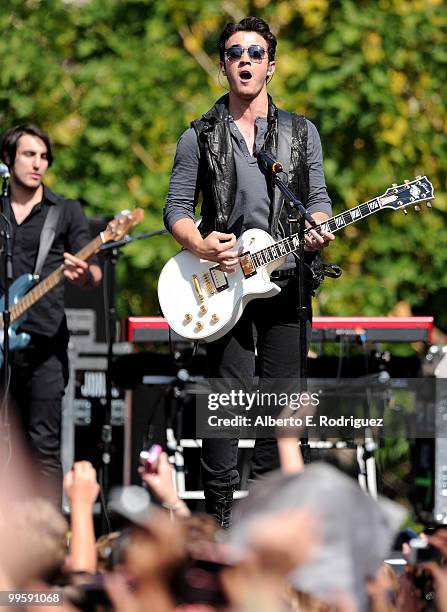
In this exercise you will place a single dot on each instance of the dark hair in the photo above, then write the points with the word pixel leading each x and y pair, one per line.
pixel 248 24
pixel 10 138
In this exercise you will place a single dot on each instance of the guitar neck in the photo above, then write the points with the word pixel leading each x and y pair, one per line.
pixel 291 244
pixel 42 288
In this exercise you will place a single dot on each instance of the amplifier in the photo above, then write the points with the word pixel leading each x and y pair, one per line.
pixel 83 411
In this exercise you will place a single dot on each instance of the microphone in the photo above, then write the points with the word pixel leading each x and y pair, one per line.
pixel 4 171
pixel 268 163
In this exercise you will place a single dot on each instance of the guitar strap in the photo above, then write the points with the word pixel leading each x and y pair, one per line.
pixel 284 149
pixel 283 155
pixel 47 237
pixel 316 268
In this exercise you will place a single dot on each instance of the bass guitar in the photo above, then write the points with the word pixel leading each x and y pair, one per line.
pixel 21 298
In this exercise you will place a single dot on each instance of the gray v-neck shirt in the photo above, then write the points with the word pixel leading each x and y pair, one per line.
pixel 252 204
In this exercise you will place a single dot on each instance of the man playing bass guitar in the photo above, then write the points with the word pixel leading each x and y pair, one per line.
pixel 39 372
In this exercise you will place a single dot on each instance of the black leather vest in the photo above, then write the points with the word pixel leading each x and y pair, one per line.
pixel 217 173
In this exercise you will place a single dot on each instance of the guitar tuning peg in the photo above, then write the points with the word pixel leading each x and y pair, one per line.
pixel 405 211
pixel 417 208
pixel 429 205
pixel 406 181
pixel 394 185
pixel 419 177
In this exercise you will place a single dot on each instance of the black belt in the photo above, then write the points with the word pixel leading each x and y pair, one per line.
pixel 282 274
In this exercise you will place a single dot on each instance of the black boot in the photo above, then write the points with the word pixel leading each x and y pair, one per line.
pixel 219 503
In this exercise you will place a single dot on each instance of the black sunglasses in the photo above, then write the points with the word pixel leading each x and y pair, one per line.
pixel 255 52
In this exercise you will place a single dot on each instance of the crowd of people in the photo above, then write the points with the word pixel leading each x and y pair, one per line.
pixel 306 539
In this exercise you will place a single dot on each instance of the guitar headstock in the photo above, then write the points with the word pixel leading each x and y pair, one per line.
pixel 120 225
pixel 410 193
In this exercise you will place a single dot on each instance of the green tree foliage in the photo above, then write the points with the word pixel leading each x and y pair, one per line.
pixel 115 82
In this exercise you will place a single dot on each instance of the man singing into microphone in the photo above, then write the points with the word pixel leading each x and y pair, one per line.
pixel 217 156
pixel 39 371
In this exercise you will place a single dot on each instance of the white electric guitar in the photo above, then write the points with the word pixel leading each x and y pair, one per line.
pixel 200 302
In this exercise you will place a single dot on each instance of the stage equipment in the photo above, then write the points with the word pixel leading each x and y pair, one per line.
pixel 324 329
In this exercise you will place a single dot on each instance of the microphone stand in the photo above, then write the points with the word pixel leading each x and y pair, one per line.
pixel 8 277
pixel 304 217
pixel 112 249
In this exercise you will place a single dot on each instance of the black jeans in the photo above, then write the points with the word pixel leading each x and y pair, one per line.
pixel 39 374
pixel 233 357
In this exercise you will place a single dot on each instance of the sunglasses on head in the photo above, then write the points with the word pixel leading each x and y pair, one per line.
pixel 255 52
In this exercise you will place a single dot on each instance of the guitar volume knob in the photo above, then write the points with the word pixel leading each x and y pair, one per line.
pixel 214 318
pixel 199 325
pixel 203 309
pixel 188 317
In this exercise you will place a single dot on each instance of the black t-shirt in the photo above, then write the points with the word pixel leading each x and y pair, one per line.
pixel 72 233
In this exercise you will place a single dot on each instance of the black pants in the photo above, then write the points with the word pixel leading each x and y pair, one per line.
pixel 233 357
pixel 39 374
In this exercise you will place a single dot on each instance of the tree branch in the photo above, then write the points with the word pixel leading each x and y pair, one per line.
pixel 202 58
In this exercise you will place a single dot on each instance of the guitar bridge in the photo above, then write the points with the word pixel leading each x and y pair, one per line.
pixel 208 285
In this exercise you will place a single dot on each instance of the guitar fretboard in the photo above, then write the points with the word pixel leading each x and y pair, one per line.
pixel 291 244
pixel 28 300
